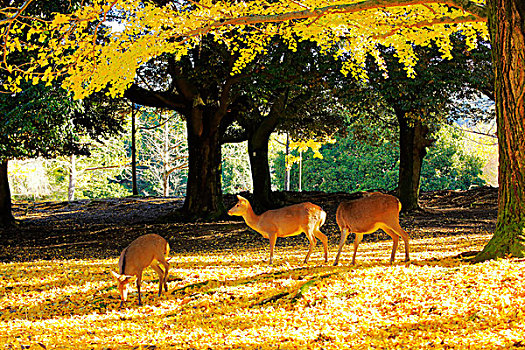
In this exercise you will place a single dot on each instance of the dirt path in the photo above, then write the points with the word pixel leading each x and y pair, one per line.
pixel 101 228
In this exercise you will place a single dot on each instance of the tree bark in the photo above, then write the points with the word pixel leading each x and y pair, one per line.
pixel 134 185
pixel 203 192
pixel 262 186
pixel 507 31
pixel 412 149
pixel 166 162
pixel 6 215
pixel 258 139
pixel 72 178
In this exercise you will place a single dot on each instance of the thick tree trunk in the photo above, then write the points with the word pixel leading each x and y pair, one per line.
pixel 507 30
pixel 203 192
pixel 258 152
pixel 6 215
pixel 262 186
pixel 412 150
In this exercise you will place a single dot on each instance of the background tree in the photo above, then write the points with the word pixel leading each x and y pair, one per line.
pixel 163 153
pixel 44 122
pixel 420 104
pixel 293 94
pixel 201 88
pixel 365 160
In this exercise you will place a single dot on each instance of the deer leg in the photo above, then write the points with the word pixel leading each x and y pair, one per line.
pixel 402 233
pixel 322 237
pixel 395 238
pixel 273 239
pixel 344 235
pixel 357 240
pixel 313 242
pixel 161 274
pixel 166 265
pixel 139 281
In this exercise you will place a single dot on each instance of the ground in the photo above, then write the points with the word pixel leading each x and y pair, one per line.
pixel 222 293
pixel 102 228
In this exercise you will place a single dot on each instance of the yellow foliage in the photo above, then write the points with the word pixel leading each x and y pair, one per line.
pixel 303 146
pixel 73 48
pixel 226 300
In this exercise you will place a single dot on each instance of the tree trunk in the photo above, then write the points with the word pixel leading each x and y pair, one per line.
pixel 203 192
pixel 262 186
pixel 166 161
pixel 287 170
pixel 6 215
pixel 134 152
pixel 412 150
pixel 258 151
pixel 507 30
pixel 72 178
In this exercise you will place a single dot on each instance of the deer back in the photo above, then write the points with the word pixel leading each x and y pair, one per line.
pixel 368 213
pixel 292 219
pixel 141 253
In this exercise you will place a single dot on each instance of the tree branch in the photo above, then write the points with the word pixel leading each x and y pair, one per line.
pixel 475 13
pixel 160 99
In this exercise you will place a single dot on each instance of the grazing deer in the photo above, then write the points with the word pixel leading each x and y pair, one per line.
pixel 284 222
pixel 141 253
pixel 368 214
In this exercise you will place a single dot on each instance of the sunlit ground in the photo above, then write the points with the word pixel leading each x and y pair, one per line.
pixel 236 301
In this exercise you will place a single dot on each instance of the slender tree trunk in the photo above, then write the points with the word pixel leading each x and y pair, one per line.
pixel 412 150
pixel 203 191
pixel 165 183
pixel 72 178
pixel 287 169
pixel 133 152
pixel 166 162
pixel 507 30
pixel 6 215
pixel 300 171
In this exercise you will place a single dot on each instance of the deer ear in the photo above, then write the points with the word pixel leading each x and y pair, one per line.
pixel 240 198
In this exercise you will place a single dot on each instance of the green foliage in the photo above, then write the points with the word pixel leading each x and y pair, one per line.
pixel 38 122
pixel 236 176
pixel 447 166
pixel 348 165
pixel 357 164
pixel 99 175
pixel 102 188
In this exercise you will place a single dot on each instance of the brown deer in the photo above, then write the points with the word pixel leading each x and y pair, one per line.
pixel 284 222
pixel 368 214
pixel 147 250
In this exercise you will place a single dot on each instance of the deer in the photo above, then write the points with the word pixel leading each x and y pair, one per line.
pixel 285 222
pixel 368 214
pixel 147 250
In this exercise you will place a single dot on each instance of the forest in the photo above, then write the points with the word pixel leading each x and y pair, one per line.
pixel 132 128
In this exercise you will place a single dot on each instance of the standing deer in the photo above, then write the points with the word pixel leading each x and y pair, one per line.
pixel 368 214
pixel 284 222
pixel 141 253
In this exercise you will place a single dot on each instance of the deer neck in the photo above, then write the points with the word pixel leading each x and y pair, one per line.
pixel 252 219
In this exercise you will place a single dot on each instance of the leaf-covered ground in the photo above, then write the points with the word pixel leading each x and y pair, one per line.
pixel 57 293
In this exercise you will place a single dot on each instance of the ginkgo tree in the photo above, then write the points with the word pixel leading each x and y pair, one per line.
pixel 91 63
